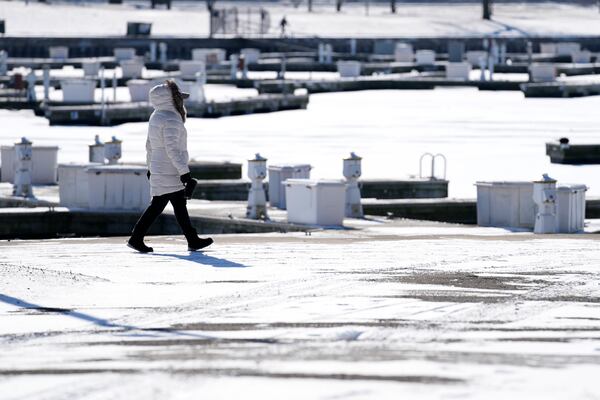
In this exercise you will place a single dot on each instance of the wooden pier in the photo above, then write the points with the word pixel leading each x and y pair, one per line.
pixel 118 113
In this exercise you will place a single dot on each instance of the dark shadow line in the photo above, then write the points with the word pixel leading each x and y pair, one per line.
pixel 201 258
pixel 75 314
pixel 86 317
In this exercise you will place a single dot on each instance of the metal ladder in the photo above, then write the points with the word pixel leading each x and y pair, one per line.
pixel 433 158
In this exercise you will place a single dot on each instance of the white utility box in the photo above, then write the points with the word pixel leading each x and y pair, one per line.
pixel 118 187
pixel 458 70
pixel 44 164
pixel 189 69
pixel 348 69
pixel 124 53
pixel 403 52
pixel 548 48
pixel 91 68
pixel 315 202
pixel 542 72
pixel 476 57
pixel 132 68
pixel 78 90
pixel 73 184
pixel 581 57
pixel 139 89
pixel 209 56
pixel 59 52
pixel 425 57
pixel 251 55
pixel 505 204
pixel 278 174
pixel 570 205
pixel 567 48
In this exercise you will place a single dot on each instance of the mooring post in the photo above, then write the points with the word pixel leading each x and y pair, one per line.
pixel 153 51
pixel 233 66
pixel 162 47
pixel 31 97
pixel 102 98
pixel 46 83
pixel 3 62
pixel 114 84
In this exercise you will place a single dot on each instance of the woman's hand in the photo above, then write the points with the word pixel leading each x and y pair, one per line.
pixel 186 178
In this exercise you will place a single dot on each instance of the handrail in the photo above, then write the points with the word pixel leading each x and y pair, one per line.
pixel 433 158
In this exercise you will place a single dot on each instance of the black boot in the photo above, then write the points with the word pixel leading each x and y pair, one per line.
pixel 138 244
pixel 196 243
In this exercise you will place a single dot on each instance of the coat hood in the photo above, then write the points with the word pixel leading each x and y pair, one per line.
pixel 161 99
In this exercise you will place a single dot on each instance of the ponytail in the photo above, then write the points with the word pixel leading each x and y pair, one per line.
pixel 177 98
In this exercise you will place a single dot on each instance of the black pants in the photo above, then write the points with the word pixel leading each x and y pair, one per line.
pixel 156 207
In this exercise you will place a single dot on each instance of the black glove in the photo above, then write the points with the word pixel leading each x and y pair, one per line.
pixel 186 178
pixel 148 174
pixel 189 188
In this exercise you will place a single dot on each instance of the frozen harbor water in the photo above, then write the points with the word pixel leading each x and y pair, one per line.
pixel 484 135
pixel 374 313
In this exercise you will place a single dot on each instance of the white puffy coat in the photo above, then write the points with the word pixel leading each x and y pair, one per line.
pixel 166 146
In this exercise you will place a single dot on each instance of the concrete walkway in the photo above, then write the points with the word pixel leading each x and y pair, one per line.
pixel 425 310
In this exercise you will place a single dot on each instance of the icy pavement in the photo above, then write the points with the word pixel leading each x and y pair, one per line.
pixel 370 314
pixel 190 19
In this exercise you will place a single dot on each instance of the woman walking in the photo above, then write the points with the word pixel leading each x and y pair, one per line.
pixel 168 172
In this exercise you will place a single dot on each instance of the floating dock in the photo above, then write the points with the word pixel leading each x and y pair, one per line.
pixel 462 211
pixel 578 154
pixel 237 189
pixel 561 89
pixel 404 188
pixel 118 113
pixel 379 83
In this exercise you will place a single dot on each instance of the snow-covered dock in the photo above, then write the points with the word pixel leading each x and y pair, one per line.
pixel 422 311
pixel 561 89
pixel 118 113
pixel 386 82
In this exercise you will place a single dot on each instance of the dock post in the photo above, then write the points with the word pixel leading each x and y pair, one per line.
pixel 353 171
pixel 492 58
pixel 102 98
pixel 281 73
pixel 233 66
pixel 353 46
pixel 162 47
pixel 46 83
pixel 114 85
pixel 257 202
pixel 3 62
pixel 23 165
pixel 31 86
pixel 245 68
pixel 153 51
